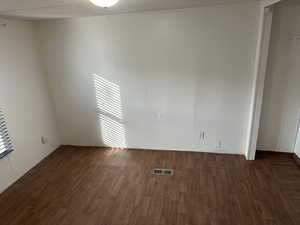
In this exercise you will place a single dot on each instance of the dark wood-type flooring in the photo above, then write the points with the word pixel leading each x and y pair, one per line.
pixel 89 186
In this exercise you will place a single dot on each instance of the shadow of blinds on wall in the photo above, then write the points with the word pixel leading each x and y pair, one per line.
pixel 5 142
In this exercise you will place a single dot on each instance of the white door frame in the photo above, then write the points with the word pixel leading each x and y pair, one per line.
pixel 297 144
pixel 261 60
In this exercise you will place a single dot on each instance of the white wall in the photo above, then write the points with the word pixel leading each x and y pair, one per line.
pixel 25 100
pixel 168 76
pixel 281 104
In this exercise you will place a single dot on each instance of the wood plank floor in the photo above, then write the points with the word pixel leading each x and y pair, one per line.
pixel 115 187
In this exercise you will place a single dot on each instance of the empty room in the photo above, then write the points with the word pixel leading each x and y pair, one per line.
pixel 150 112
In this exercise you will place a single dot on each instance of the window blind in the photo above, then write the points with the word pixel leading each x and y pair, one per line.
pixel 5 142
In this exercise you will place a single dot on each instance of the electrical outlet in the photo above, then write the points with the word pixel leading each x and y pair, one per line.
pixel 219 145
pixel 158 116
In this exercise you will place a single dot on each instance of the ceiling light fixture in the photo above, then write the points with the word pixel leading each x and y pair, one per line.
pixel 104 3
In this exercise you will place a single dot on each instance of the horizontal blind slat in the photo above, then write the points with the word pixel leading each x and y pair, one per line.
pixel 5 142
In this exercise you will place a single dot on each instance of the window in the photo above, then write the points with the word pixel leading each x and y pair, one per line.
pixel 5 143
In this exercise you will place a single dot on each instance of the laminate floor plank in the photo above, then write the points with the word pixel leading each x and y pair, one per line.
pixel 102 186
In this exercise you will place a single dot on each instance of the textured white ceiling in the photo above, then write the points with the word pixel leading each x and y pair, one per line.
pixel 76 8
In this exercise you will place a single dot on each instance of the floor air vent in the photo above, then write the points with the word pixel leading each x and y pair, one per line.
pixel 162 172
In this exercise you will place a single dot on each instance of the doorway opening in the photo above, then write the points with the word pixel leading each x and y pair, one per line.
pixel 276 115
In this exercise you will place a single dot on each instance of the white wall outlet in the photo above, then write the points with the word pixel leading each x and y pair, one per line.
pixel 44 140
pixel 219 145
pixel 158 116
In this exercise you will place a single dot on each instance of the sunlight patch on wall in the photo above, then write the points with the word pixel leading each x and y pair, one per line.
pixel 110 114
